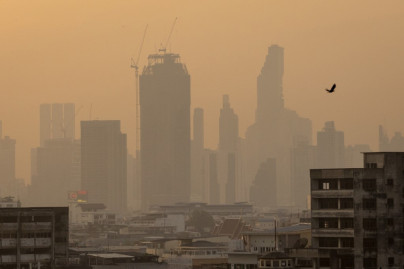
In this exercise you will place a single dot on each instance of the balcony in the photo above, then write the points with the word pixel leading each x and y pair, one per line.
pixel 35 226
pixel 324 213
pixel 321 232
pixel 8 259
pixel 35 242
pixel 8 243
pixel 8 227
pixel 27 258
pixel 332 194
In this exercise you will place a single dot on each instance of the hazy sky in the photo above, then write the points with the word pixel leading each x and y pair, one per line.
pixel 79 51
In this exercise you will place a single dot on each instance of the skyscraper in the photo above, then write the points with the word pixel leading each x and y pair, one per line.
pixel 275 127
pixel 228 151
pixel 56 121
pixel 165 130
pixel 7 166
pixel 197 157
pixel 330 147
pixel 103 163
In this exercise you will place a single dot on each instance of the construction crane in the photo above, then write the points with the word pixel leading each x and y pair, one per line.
pixel 164 49
pixel 136 67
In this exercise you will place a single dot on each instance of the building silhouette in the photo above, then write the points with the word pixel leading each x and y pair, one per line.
pixel 275 127
pixel 103 163
pixel 198 157
pixel 227 151
pixel 8 182
pixel 56 121
pixel 165 131
pixel 263 192
pixel 396 143
pixel 330 147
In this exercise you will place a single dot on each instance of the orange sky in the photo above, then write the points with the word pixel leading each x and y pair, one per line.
pixel 79 51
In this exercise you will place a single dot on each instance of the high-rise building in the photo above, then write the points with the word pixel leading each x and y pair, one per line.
pixel 227 151
pixel 396 143
pixel 56 121
pixel 197 157
pixel 330 147
pixel 263 192
pixel 55 169
pixel 103 163
pixel 165 130
pixel 8 184
pixel 357 213
pixel 214 191
pixel 275 127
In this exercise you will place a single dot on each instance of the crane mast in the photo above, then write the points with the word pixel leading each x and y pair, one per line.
pixel 136 67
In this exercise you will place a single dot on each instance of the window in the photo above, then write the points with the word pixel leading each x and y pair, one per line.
pixel 390 182
pixel 371 165
pixel 347 223
pixel 369 244
pixel 328 184
pixel 370 263
pixel 369 204
pixel 328 223
pixel 369 224
pixel 390 203
pixel 347 242
pixel 346 184
pixel 390 241
pixel 390 222
pixel 275 263
pixel 369 184
pixel 324 262
pixel 330 242
pixel 328 203
pixel 391 261
pixel 346 203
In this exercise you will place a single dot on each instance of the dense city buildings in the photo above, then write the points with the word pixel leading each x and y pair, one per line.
pixel 165 130
pixel 275 127
pixel 357 213
pixel 34 237
pixel 103 163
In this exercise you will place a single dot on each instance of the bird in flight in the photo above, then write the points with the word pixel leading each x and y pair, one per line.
pixel 332 88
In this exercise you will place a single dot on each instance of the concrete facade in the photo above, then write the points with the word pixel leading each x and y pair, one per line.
pixel 357 213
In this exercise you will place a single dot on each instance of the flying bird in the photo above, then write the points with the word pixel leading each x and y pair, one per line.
pixel 332 88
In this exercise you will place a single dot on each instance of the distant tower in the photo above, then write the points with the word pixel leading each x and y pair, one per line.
pixel 7 166
pixel 165 130
pixel 227 150
pixel 56 121
pixel 264 189
pixel 214 191
pixel 103 163
pixel 330 147
pixel 197 157
pixel 269 85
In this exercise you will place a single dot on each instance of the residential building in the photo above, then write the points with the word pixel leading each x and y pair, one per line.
pixel 357 213
pixel 34 237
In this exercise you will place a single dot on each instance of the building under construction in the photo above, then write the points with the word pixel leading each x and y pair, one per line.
pixel 165 130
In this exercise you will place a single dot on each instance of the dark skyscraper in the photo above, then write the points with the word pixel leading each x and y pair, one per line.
pixel 103 163
pixel 165 130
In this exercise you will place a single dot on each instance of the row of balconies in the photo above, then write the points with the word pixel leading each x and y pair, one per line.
pixel 30 226
pixel 332 193
pixel 25 242
pixel 332 231
pixel 323 213
pixel 25 258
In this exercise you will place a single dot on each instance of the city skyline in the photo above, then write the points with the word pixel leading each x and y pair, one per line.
pixel 95 51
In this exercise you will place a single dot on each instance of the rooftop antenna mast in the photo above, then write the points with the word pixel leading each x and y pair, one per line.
pixel 136 67
pixel 164 49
